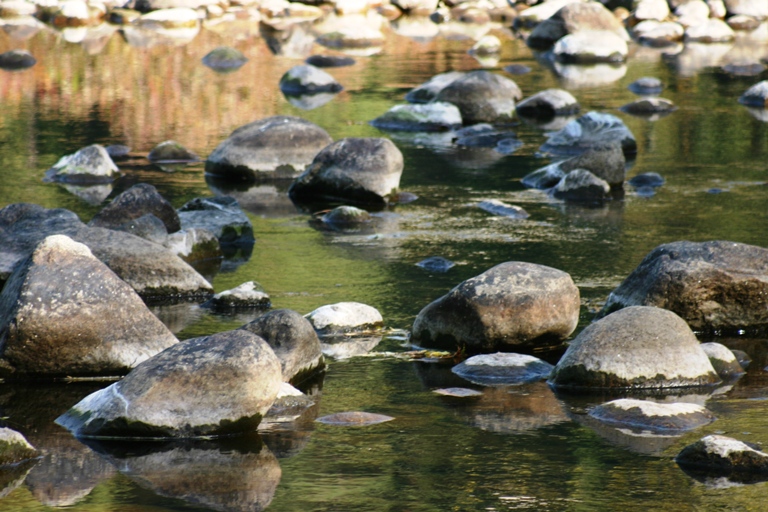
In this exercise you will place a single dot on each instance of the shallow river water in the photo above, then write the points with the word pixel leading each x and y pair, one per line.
pixel 510 449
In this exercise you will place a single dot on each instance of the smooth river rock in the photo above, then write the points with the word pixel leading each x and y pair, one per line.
pixel 720 455
pixel 652 416
pixel 547 104
pixel 64 313
pixel 713 286
pixel 249 295
pixel 593 129
pixel 723 360
pixel 89 165
pixel 502 368
pixel 136 202
pixel 482 97
pixel 14 448
pixel 430 117
pixel 215 385
pixel 428 91
pixel 514 304
pixel 638 347
pixel 581 186
pixel 345 317
pixel 307 79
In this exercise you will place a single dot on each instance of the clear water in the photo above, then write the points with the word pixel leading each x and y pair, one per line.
pixel 511 449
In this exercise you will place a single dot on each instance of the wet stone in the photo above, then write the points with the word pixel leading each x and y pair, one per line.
pixel 646 86
pixel 647 179
pixel 502 369
pixel 726 456
pixel 653 416
pixel 436 264
pixel 14 60
pixel 171 151
pixel 344 317
pixel 354 419
pixel 458 392
pixel 225 59
pixel 723 361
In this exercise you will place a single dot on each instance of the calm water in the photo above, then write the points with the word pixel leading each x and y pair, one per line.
pixel 511 449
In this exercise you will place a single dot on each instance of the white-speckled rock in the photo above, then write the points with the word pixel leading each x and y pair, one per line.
pixel 591 46
pixel 345 317
pixel 653 416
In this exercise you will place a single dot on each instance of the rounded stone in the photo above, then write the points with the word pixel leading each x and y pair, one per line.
pixel 723 360
pixel 637 347
pixel 496 207
pixel 647 86
pixel 511 305
pixel 14 448
pixel 756 96
pixel 653 416
pixel 248 295
pixel 345 317
pixel 548 103
pixel 593 129
pixel 428 91
pixel 16 59
pixel 346 216
pixel 428 117
pixel 307 79
pixel 171 151
pixel 482 97
pixel 502 369
pixel 91 164
pixel 329 61
pixel 722 455
pixel 225 59
pixel 649 107
pixel 590 47
pixel 581 186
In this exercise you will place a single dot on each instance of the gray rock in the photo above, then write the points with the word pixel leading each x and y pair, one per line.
pixel 724 456
pixel 345 317
pixel 151 269
pixel 137 201
pixel 90 164
pixel 329 61
pixel 756 96
pixel 307 79
pixel 591 47
pixel 64 313
pixel 221 216
pixel 496 207
pixel 289 406
pixel 118 151
pixel 14 448
pixel 482 97
pixel 647 179
pixel 357 170
pixel 428 91
pixel 658 34
pixel 171 151
pixel 547 104
pixel 593 129
pixel 484 136
pixel 248 295
pixel 293 340
pixel 501 369
pixel 574 18
pixel 225 59
pixel 429 117
pixel 652 416
pixel 581 186
pixel 436 264
pixel 638 347
pixel 713 286
pixel 517 69
pixel 276 147
pixel 649 107
pixel 646 86
pixel 147 227
pixel 215 385
pixel 723 360
pixel 511 305
pixel 605 162
pixel 346 216
pixel 544 178
pixel 16 59
pixel 194 245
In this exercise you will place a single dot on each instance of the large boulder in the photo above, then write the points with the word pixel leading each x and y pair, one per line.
pixel 713 286
pixel 581 186
pixel 274 147
pixel 65 313
pixel 89 165
pixel 482 97
pixel 219 215
pixel 575 18
pixel 135 202
pixel 638 347
pixel 514 304
pixel 214 385
pixel 307 79
pixel 355 170
pixel 293 340
pixel 593 129
pixel 151 269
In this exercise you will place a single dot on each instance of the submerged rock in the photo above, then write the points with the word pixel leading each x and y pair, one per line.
pixel 429 117
pixel 248 295
pixel 171 151
pixel 16 59
pixel 544 178
pixel 647 86
pixel 215 385
pixel 593 129
pixel 357 170
pixel 638 347
pixel 647 179
pixel 274 147
pixel 307 79
pixel 502 369
pixel 511 305
pixel 482 97
pixel 436 264
pixel 225 59
pixel 653 416
pixel 219 215
pixel 345 317
pixel 90 164
pixel 724 456
pixel 64 313
pixel 649 107
pixel 346 216
pixel 714 285
pixel 137 201
pixel 329 61
pixel 581 186
pixel 723 360
pixel 354 419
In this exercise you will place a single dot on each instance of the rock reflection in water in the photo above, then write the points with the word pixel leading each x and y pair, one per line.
pixel 12 476
pixel 296 41
pixel 262 199
pixel 236 474
pixel 635 440
pixel 345 347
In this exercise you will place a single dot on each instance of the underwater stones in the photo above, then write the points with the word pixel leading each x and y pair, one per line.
pixel 274 147
pixel 428 91
pixel 329 61
pixel 580 185
pixel 224 59
pixel 496 207
pixel 355 170
pixel 16 59
pixel 248 295
pixel 646 86
pixel 14 447
pixel 220 215
pixel 436 264
pixel 591 47
pixel 593 129
pixel 756 96
pixel 511 305
pixel 214 385
pixel 482 97
pixel 574 18
pixel 345 317
pixel 63 312
pixel 171 151
pixel 647 107
pixel 653 416
pixel 137 201
pixel 90 164
pixel 724 456
pixel 429 117
pixel 294 341
pixel 715 285
pixel 723 360
pixel 638 347
pixel 502 369
pixel 307 79
pixel 548 104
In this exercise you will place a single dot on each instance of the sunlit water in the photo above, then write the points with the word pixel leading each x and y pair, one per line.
pixel 518 448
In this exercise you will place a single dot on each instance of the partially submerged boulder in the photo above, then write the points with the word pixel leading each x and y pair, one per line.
pixel 65 313
pixel 307 79
pixel 714 286
pixel 647 85
pixel 219 215
pixel 653 416
pixel 639 348
pixel 428 91
pixel 591 130
pixel 248 295
pixel 581 186
pixel 345 317
pixel 514 304
pixel 170 151
pixel 723 360
pixel 215 385
pixel 88 165
pixel 502 369
pixel 136 202
pixel 274 147
pixel 430 117
pixel 590 47
pixel 719 455
pixel 606 162
pixel 355 170
pixel 548 104
pixel 294 342
pixel 14 447
pixel 648 107
pixel 482 97
pixel 496 207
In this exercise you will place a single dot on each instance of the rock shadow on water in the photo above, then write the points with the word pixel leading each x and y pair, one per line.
pixel 234 474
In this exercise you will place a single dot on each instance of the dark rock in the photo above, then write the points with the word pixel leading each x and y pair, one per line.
pixel 137 201
pixel 591 130
pixel 356 170
pixel 638 347
pixel 591 47
pixel 147 227
pixel 517 69
pixel 14 448
pixel 16 59
pixel 329 61
pixel 171 151
pixel 428 117
pixel 64 313
pixel 502 369
pixel 483 139
pixel 345 317
pixel 544 178
pixel 548 104
pixel 646 86
pixel 225 59
pixel 724 456
pixel 118 151
pixel 221 216
pixel 723 361
pixel 436 264
pixel 572 18
pixel 512 305
pixel 88 165
pixel 647 179
pixel 714 285
pixel 649 107
pixel 215 385
pixel 756 96
pixel 482 97
pixel 306 79
pixel 744 69
pixel 496 207
pixel 248 295
pixel 581 186
pixel 293 340
pixel 274 147
pixel 428 91
pixel 652 416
